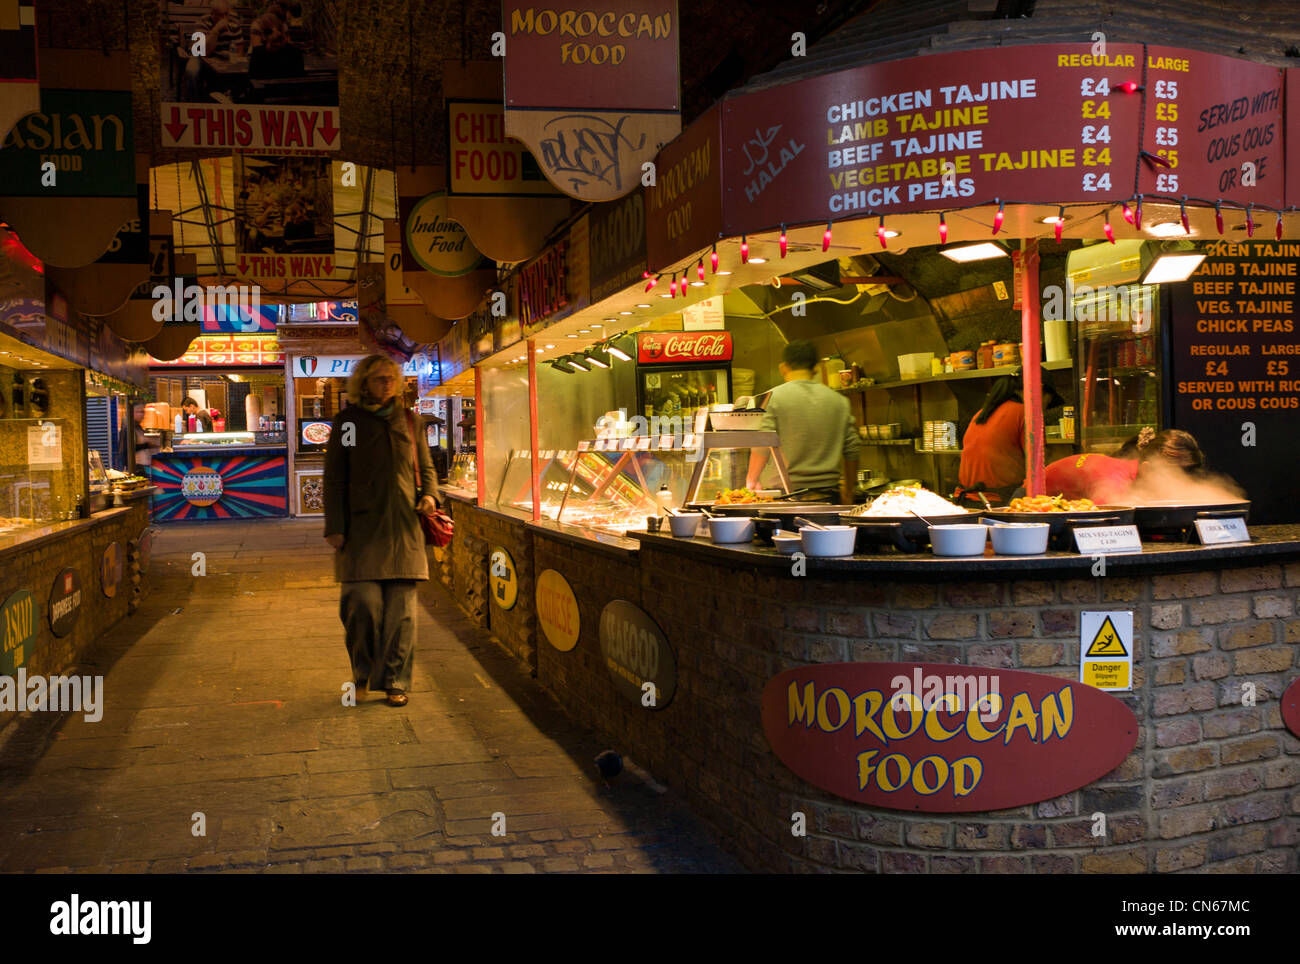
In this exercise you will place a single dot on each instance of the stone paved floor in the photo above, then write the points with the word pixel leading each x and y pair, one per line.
pixel 223 698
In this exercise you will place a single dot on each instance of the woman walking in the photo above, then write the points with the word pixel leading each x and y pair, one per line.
pixel 371 501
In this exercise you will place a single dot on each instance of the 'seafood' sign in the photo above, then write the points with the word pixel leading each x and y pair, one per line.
pixel 261 129
pixel 940 738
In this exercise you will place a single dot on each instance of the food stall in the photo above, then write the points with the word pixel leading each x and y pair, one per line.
pixel 745 651
pixel 240 469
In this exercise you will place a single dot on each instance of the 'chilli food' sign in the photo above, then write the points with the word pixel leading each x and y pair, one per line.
pixel 665 347
pixel 941 738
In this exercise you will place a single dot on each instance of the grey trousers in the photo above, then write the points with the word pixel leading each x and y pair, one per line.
pixel 379 624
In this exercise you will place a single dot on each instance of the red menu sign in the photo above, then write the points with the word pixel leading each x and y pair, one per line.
pixel 677 347
pixel 684 206
pixel 953 130
pixel 940 738
pixel 1216 122
pixel 543 286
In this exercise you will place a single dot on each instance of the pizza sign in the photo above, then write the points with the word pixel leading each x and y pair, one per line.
pixel 675 347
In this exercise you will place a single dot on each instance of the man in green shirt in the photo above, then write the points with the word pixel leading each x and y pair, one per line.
pixel 816 430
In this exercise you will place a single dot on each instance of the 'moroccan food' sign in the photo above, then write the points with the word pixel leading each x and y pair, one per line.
pixel 1291 707
pixel 941 738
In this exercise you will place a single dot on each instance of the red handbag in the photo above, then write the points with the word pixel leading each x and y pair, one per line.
pixel 439 527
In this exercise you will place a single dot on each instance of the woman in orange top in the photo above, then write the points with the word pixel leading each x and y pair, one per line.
pixel 993 448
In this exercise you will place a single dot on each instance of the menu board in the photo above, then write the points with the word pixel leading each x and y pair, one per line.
pixel 1208 117
pixel 229 350
pixel 1236 368
pixel 1048 121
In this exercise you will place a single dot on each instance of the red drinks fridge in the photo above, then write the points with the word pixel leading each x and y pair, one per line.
pixel 680 373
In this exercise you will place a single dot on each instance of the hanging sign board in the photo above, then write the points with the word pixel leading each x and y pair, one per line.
pixel 484 162
pixel 618 244
pixel 1106 650
pixel 1046 122
pixel 684 205
pixel 436 242
pixel 939 738
pixel 20 92
pixel 1215 124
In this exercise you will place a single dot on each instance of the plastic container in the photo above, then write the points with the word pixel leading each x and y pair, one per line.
pixel 964 361
pixel 915 365
pixel 665 497
pixel 1019 538
pixel 959 540
pixel 986 355
pixel 685 525
pixel 730 530
pixel 829 541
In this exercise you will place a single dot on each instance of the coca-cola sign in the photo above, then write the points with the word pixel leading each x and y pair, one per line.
pixel 676 347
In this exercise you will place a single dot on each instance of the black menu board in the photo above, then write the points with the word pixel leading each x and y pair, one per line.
pixel 1236 369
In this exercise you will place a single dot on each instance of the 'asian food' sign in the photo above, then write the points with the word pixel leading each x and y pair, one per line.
pixel 941 738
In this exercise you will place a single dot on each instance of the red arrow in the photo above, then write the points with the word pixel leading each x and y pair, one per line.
pixel 176 128
pixel 327 129
pixel 328 265
pixel 243 265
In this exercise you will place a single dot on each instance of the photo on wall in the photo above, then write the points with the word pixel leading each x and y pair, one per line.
pixel 283 205
pixel 235 52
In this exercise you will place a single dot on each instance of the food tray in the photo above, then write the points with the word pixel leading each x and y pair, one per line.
pixel 1061 535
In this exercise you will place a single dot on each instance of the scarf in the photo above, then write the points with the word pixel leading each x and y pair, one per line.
pixel 383 411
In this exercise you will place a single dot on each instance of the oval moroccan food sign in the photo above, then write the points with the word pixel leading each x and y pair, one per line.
pixel 941 738
pixel 1291 707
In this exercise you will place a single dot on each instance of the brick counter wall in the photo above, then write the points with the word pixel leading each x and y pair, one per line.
pixel 81 549
pixel 1211 785
pixel 476 533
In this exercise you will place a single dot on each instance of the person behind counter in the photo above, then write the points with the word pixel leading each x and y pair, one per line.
pixel 993 448
pixel 190 407
pixel 1106 480
pixel 816 430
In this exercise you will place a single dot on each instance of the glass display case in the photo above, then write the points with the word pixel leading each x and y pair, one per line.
pixel 43 463
pixel 213 438
pixel 1119 391
pixel 614 484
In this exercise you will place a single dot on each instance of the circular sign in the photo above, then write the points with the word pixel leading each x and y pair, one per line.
pixel 439 244
pixel 201 486
pixel 110 568
pixel 636 654
pixel 502 579
pixel 65 602
pixel 557 610
pixel 18 625
pixel 1290 706
pixel 143 546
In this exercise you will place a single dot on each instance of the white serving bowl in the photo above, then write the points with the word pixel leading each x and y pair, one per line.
pixel 1019 538
pixel 731 529
pixel 746 421
pixel 829 541
pixel 959 540
pixel 787 541
pixel 685 525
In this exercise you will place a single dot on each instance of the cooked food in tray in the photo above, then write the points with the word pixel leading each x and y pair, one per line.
pixel 905 499
pixel 1052 503
pixel 740 497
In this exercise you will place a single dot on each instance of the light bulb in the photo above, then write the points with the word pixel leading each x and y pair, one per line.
pixel 744 250
pixel 784 244
pixel 943 230
pixel 826 238
pixel 998 218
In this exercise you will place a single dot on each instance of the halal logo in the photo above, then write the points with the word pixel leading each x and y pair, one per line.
pixel 307 364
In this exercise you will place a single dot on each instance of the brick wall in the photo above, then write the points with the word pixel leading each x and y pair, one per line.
pixel 1212 784
pixel 477 532
pixel 81 548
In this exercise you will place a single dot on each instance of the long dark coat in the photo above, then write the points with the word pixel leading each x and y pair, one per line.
pixel 370 496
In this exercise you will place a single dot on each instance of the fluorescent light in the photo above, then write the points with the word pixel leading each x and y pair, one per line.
pixel 570 336
pixel 1054 219
pixel 625 312
pixel 1167 229
pixel 1172 267
pixel 724 272
pixel 974 252
pixel 641 306
pixel 550 346
pixel 698 284
pixel 593 357
pixel 577 362
pixel 758 260
pixel 888 232
pixel 619 353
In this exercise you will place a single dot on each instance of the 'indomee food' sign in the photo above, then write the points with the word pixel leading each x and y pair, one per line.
pixel 940 738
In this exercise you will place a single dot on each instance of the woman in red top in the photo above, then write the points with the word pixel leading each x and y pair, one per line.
pixel 993 448
pixel 1106 479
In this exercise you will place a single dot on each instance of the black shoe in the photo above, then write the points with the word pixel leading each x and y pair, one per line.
pixel 396 698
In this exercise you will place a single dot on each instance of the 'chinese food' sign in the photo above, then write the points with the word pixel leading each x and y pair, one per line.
pixel 941 738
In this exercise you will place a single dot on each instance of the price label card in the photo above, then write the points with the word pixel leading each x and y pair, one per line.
pixel 602 444
pixel 691 442
pixel 1105 540
pixel 1222 532
pixel 643 443
pixel 629 444
pixel 584 446
pixel 665 443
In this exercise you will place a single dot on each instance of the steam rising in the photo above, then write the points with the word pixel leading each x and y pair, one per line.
pixel 1159 481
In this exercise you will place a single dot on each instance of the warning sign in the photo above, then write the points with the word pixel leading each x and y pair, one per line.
pixel 1106 645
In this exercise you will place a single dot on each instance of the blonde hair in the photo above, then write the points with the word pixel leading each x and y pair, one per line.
pixel 365 368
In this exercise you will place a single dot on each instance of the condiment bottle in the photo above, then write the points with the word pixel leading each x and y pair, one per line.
pixel 665 497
